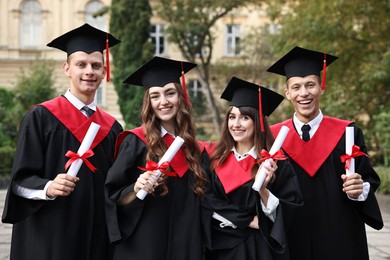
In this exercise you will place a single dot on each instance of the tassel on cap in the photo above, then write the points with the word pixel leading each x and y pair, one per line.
pixel 108 77
pixel 261 112
pixel 323 82
pixel 183 83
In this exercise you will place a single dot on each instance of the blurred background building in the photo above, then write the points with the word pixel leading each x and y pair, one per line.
pixel 28 25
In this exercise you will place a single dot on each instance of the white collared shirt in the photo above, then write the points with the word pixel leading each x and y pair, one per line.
pixel 240 157
pixel 164 132
pixel 314 124
pixel 78 104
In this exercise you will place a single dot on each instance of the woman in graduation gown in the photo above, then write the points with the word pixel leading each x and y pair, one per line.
pixel 166 224
pixel 244 223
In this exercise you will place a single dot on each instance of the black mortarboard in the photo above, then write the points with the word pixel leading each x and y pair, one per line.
pixel 84 38
pixel 158 72
pixel 243 93
pixel 302 62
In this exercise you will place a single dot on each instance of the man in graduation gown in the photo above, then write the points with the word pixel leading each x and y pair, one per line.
pixel 56 215
pixel 331 224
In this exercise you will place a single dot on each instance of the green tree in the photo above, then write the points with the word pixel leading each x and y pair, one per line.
pixel 190 28
pixel 130 23
pixel 382 130
pixel 33 87
pixel 7 126
pixel 358 81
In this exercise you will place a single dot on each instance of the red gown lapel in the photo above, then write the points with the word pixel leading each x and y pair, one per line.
pixel 76 122
pixel 312 154
pixel 233 174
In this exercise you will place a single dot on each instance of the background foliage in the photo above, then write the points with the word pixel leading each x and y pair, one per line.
pixel 32 87
pixel 358 82
pixel 130 22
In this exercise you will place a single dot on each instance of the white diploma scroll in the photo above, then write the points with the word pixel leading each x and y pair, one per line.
pixel 84 146
pixel 349 142
pixel 260 175
pixel 167 157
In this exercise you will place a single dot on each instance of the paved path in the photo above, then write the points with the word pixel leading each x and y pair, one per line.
pixel 378 241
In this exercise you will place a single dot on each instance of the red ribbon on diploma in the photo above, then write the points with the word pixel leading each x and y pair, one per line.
pixel 279 155
pixel 74 156
pixel 355 153
pixel 153 166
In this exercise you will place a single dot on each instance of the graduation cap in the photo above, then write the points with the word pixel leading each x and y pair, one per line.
pixel 302 62
pixel 243 93
pixel 85 38
pixel 159 71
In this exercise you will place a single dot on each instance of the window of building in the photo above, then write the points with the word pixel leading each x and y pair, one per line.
pixel 233 38
pixel 197 97
pixel 30 24
pixel 99 22
pixel 158 38
pixel 90 9
pixel 194 87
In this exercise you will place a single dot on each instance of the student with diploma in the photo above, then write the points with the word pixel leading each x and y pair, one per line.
pixel 244 223
pixel 57 215
pixel 331 223
pixel 166 224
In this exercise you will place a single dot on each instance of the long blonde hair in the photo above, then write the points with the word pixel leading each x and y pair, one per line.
pixel 185 128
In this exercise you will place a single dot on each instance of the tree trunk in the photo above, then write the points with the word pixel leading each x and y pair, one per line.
pixel 206 89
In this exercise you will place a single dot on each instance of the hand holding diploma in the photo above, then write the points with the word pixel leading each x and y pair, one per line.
pixel 167 157
pixel 261 173
pixel 76 160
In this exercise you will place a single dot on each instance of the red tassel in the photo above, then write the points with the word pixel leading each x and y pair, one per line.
pixel 261 112
pixel 323 82
pixel 183 83
pixel 108 77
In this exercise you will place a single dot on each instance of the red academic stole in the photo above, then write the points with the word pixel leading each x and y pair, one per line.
pixel 312 154
pixel 77 123
pixel 232 173
pixel 178 162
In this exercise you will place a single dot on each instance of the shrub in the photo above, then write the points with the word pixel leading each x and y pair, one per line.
pixel 384 174
pixel 7 154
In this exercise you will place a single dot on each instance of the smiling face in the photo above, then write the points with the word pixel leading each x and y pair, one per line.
pixel 241 128
pixel 86 71
pixel 304 93
pixel 165 104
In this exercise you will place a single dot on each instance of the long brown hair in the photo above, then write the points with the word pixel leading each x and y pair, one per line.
pixel 226 142
pixel 185 128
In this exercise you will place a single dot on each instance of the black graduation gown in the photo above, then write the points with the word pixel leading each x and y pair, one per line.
pixel 330 225
pixel 72 227
pixel 240 206
pixel 157 227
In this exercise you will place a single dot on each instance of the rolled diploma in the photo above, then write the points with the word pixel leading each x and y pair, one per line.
pixel 84 146
pixel 349 142
pixel 167 157
pixel 260 175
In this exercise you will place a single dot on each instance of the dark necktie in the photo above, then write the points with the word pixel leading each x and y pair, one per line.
pixel 88 111
pixel 305 132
